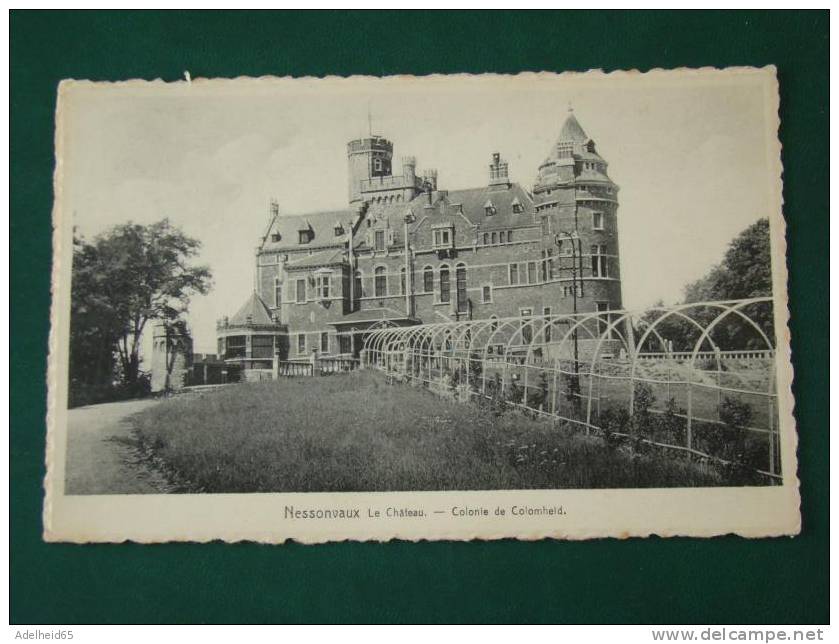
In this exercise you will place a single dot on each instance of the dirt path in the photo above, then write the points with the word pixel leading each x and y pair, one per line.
pixel 102 454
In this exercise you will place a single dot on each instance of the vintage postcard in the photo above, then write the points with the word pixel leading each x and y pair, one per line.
pixel 445 307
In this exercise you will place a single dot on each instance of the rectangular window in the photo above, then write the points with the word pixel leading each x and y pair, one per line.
pixel 548 323
pixel 303 236
pixel 380 240
pixel 445 286
pixel 486 293
pixel 345 343
pixel 502 237
pixel 324 343
pixel 236 346
pixel 460 289
pixel 380 282
pixel 526 327
pixel 514 274
pixel 301 291
pixel 531 272
pixel 323 285
pixel 486 239
pixel 301 343
pixel 599 263
pixel 428 280
pixel 443 238
pixel 262 346
pixel 509 236
pixel 278 292
pixel 597 220
pixel 494 238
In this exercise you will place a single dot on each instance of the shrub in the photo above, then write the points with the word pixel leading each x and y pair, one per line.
pixel 538 394
pixel 515 393
pixel 669 426
pixel 641 426
pixel 736 415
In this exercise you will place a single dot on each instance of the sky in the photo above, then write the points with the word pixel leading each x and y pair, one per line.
pixel 691 153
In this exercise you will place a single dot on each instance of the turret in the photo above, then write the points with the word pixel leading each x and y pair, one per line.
pixel 367 157
pixel 171 357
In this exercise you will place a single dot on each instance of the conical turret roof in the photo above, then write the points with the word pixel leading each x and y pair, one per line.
pixel 253 311
pixel 572 131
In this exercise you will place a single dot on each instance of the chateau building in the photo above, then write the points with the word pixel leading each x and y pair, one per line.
pixel 408 251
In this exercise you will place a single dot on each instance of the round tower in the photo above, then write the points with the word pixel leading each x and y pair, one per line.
pixel 171 358
pixel 578 203
pixel 367 158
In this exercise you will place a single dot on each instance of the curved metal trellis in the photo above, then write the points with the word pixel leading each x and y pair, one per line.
pixel 589 369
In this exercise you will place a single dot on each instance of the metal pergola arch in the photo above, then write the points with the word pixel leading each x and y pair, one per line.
pixel 432 352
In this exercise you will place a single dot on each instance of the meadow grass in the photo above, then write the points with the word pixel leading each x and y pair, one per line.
pixel 355 432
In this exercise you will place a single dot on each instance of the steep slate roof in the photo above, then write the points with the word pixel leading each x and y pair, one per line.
pixel 394 214
pixel 328 257
pixel 572 131
pixel 465 206
pixel 471 204
pixel 474 201
pixel 253 311
pixel 322 224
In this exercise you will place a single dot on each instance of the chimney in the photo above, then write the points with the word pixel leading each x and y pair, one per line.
pixel 498 171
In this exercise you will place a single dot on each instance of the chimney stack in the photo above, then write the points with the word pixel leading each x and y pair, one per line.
pixel 498 171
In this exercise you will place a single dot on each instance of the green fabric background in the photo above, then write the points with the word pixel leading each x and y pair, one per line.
pixel 653 580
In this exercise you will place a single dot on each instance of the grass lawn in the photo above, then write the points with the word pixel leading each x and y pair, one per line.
pixel 354 432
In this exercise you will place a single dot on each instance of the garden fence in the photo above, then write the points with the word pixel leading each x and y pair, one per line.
pixel 695 378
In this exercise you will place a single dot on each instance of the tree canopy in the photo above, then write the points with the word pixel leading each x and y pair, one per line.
pixel 123 279
pixel 745 272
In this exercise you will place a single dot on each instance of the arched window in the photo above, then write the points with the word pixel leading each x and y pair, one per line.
pixel 445 287
pixel 358 287
pixel 460 284
pixel 428 279
pixel 381 281
pixel 402 281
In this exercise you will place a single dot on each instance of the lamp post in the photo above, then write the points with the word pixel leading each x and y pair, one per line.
pixel 409 285
pixel 576 255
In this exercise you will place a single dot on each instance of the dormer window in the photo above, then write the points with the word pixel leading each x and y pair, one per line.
pixel 443 238
pixel 377 165
pixel 304 236
pixel 380 240
pixel 489 208
pixel 339 230
pixel 275 237
pixel 517 207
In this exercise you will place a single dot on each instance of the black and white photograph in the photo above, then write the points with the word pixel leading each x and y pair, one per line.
pixel 432 307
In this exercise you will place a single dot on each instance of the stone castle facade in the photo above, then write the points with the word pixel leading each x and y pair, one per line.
pixel 408 251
